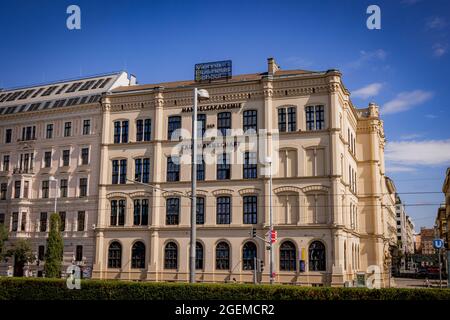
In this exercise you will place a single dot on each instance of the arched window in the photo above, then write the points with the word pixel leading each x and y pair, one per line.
pixel 171 256
pixel 248 256
pixel 288 256
pixel 115 255
pixel 138 255
pixel 198 255
pixel 222 256
pixel 317 256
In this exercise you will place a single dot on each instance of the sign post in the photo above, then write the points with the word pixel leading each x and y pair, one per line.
pixel 438 244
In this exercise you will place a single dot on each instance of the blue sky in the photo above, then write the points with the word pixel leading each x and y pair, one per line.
pixel 404 67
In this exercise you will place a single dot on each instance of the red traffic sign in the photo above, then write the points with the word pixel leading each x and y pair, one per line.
pixel 273 236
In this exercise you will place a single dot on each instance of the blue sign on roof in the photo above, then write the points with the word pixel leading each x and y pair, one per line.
pixel 213 70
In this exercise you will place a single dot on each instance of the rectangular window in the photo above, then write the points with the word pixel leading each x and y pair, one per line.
pixel 23 224
pixel 79 253
pixel 147 129
pixel 26 189
pixel 45 190
pixel 2 218
pixel 66 157
pixel 172 211
pixel 15 221
pixel 117 212
pixel 282 119
pixel 83 187
pixel 224 122
pixel 41 253
pixel 140 217
pixel 115 172
pixel 174 123
pixel 81 220
pixel 173 170
pixel 62 217
pixel 123 171
pixel 28 133
pixel 43 222
pixel 142 170
pixel 8 135
pixel 250 120
pixel 84 156
pixel 139 130
pixel 63 188
pixel 6 163
pixel 86 127
pixel 67 129
pixel 292 119
pixel 117 132
pixel 124 131
pixel 250 210
pixel 201 169
pixel 49 131
pixel 250 165
pixel 47 159
pixel 200 210
pixel 223 167
pixel 315 118
pixel 223 210
pixel 201 124
pixel 3 191
pixel 17 186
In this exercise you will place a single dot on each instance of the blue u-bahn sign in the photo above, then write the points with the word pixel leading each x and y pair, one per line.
pixel 213 70
pixel 438 243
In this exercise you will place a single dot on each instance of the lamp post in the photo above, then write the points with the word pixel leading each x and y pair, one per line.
pixel 56 190
pixel 271 253
pixel 199 94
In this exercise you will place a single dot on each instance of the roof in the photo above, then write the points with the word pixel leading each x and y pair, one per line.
pixel 233 79
pixel 59 93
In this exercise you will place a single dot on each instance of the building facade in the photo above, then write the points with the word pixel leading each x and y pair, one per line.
pixel 127 209
pixel 49 141
pixel 328 210
pixel 427 236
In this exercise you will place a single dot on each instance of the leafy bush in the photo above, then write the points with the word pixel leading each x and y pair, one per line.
pixel 56 289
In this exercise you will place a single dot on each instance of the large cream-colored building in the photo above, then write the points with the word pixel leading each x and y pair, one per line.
pixel 329 205
pixel 334 208
pixel 49 144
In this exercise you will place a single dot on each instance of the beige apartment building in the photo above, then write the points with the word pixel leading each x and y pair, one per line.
pixel 334 209
pixel 49 145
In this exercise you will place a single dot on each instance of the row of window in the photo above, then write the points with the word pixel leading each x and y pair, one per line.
pixel 26 160
pixel 287 122
pixel 223 211
pixel 43 221
pixel 29 132
pixel 288 260
pixel 78 253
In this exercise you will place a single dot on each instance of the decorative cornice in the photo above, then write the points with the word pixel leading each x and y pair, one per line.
pixel 222 191
pixel 287 189
pixel 315 188
pixel 249 191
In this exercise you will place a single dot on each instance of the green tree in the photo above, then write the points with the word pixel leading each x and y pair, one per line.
pixel 22 253
pixel 3 239
pixel 55 247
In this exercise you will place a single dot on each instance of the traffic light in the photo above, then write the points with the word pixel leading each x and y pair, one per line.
pixel 253 232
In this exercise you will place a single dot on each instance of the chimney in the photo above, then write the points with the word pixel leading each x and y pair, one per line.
pixel 132 80
pixel 272 66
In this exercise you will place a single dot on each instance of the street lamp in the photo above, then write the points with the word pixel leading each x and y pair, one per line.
pixel 56 189
pixel 271 261
pixel 199 94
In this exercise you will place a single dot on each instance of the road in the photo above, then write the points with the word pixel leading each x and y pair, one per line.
pixel 416 283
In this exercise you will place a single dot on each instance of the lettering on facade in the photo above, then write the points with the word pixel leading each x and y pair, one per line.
pixel 225 106
pixel 213 70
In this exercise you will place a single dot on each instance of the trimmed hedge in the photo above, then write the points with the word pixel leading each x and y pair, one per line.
pixel 56 289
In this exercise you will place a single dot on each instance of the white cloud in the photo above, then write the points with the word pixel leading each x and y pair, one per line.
pixel 439 49
pixel 406 100
pixel 411 136
pixel 436 23
pixel 431 116
pixel 422 153
pixel 393 168
pixel 367 56
pixel 368 91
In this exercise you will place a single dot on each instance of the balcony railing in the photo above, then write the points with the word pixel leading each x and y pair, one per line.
pixel 23 170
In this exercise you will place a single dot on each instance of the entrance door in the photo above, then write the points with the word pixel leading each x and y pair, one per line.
pixel 18 268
